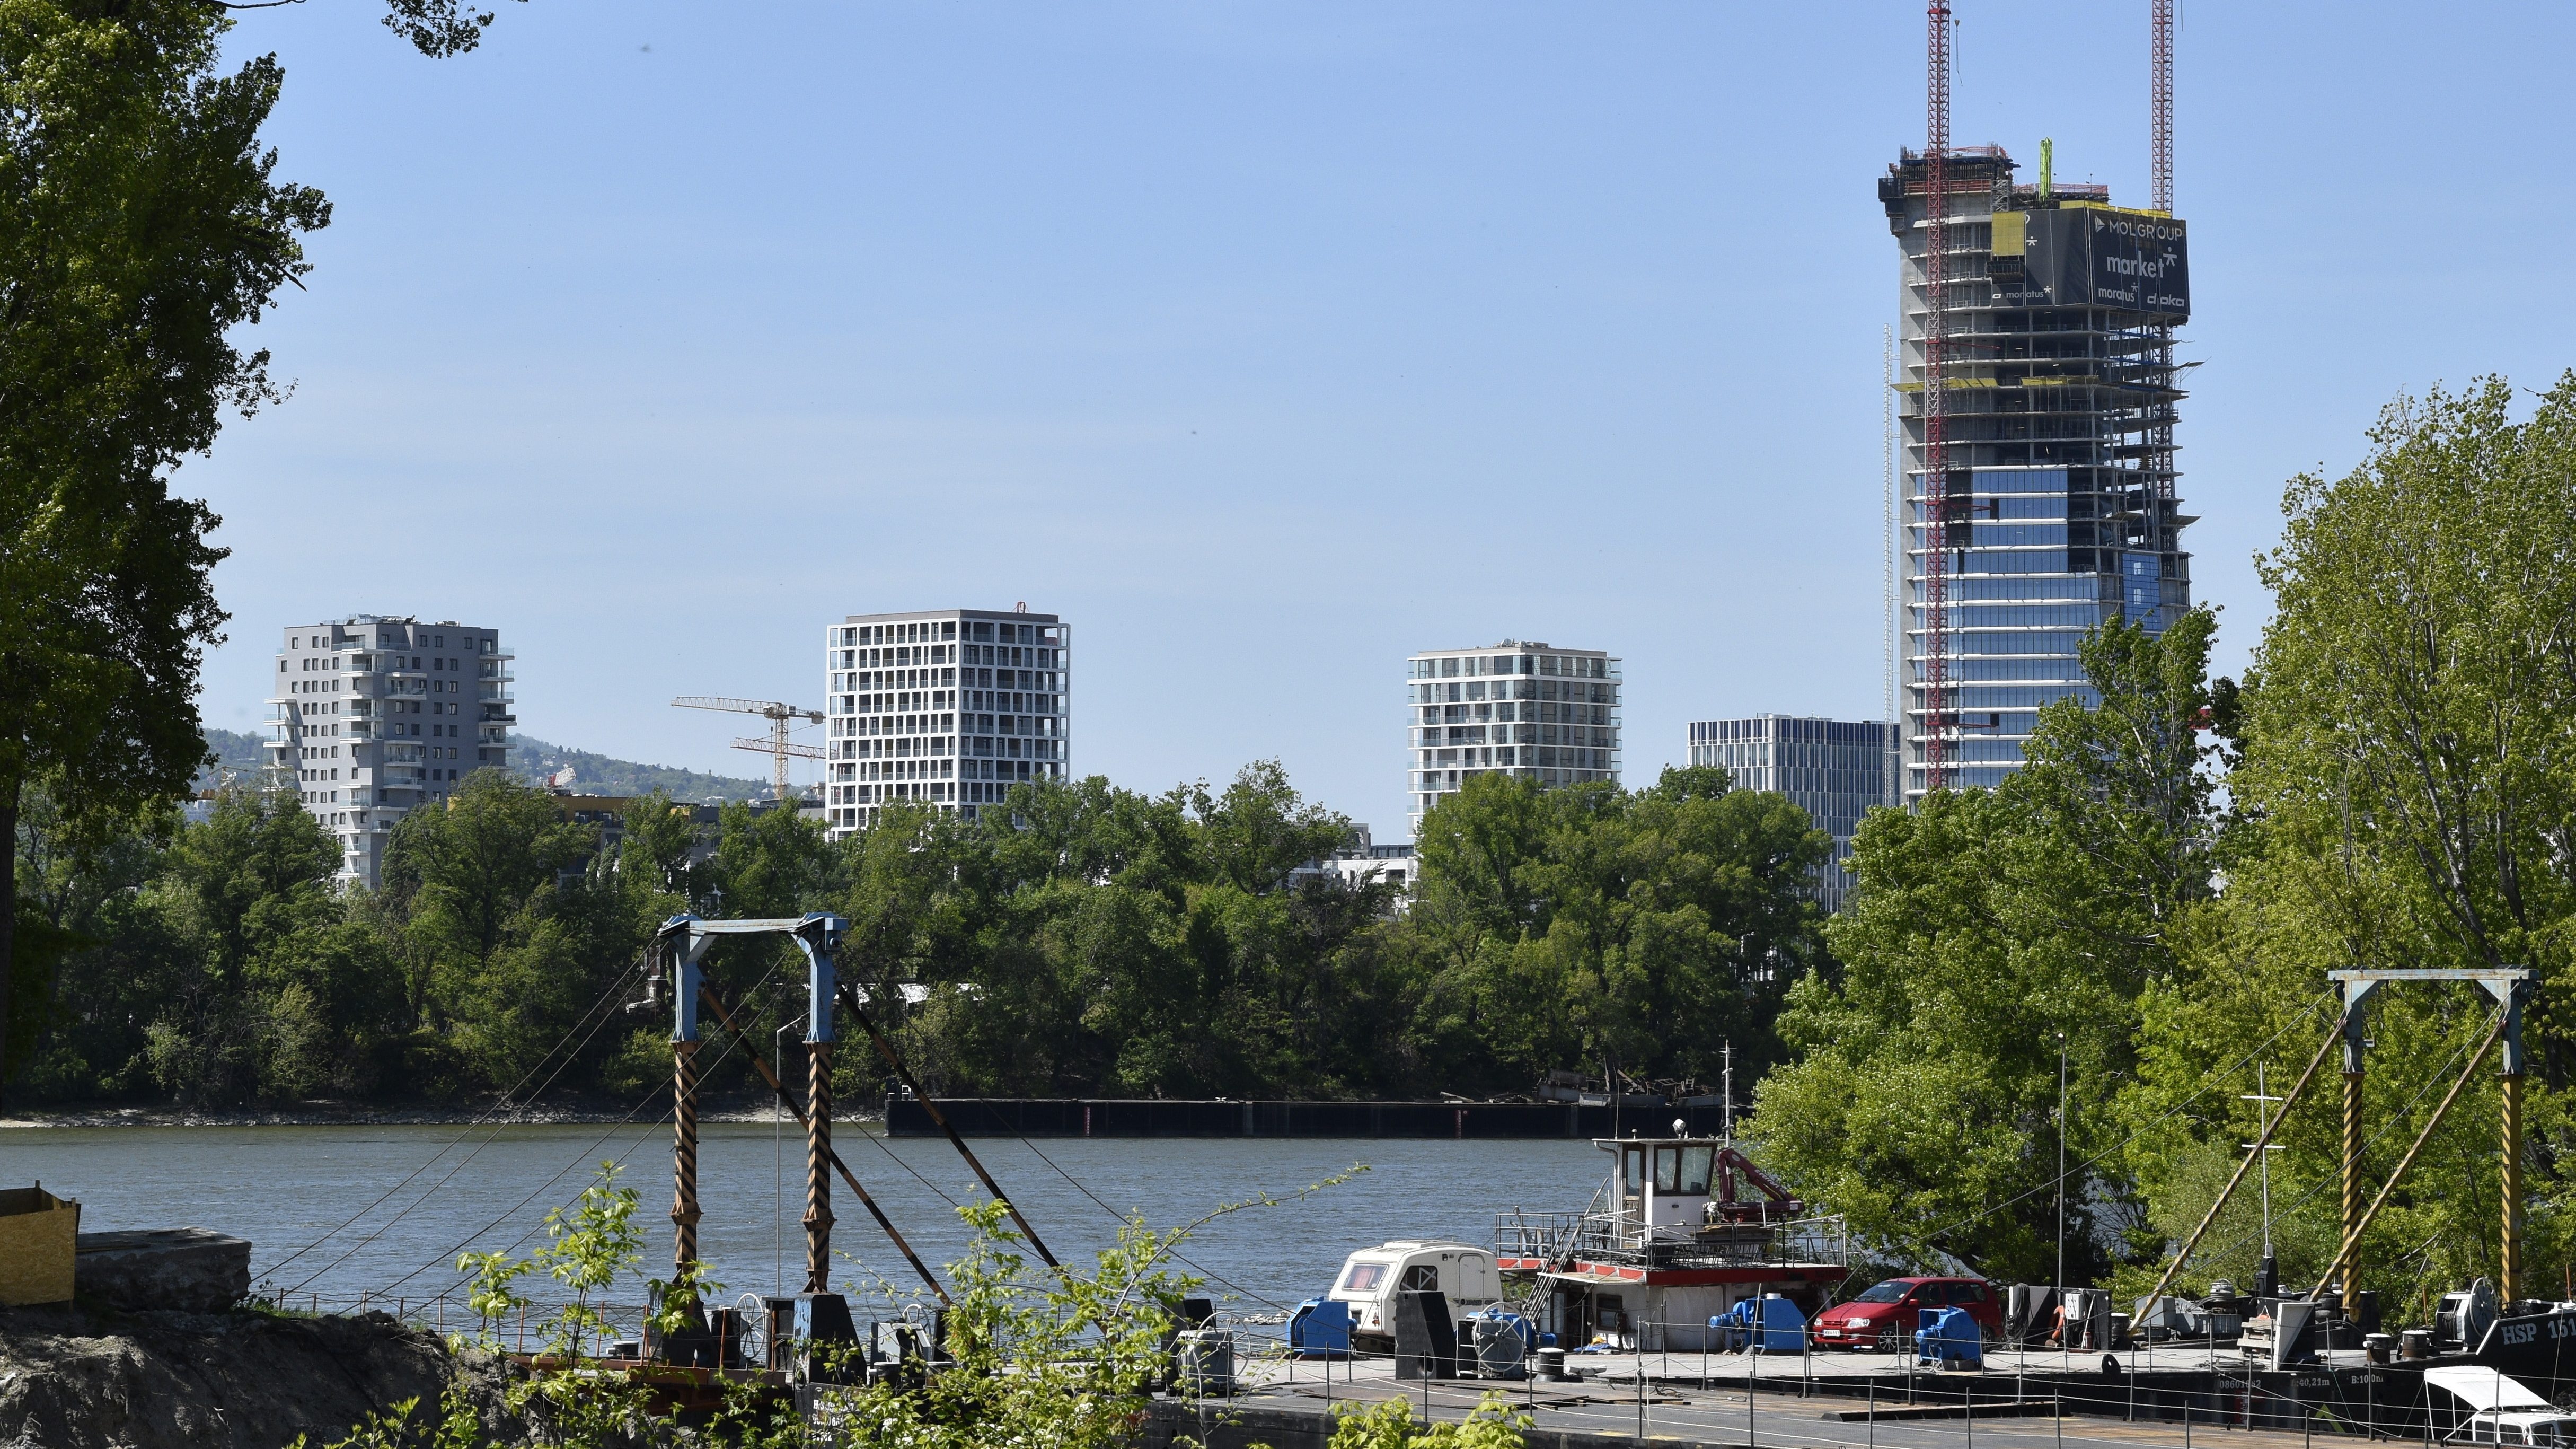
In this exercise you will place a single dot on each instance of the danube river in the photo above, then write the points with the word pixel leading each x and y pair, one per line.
pixel 384 1211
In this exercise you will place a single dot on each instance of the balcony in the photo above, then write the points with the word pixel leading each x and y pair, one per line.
pixel 495 693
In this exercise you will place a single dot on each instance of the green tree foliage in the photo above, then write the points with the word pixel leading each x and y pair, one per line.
pixel 1989 927
pixel 1591 925
pixel 2405 797
pixel 140 227
pixel 1081 939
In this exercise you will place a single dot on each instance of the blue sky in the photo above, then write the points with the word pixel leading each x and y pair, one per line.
pixel 1269 343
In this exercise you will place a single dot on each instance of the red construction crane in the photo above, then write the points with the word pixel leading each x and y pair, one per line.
pixel 1935 491
pixel 2160 438
pixel 2160 104
pixel 781 718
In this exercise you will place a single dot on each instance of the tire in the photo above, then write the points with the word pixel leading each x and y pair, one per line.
pixel 1891 1342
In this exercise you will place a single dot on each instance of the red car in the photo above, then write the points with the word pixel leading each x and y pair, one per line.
pixel 1886 1316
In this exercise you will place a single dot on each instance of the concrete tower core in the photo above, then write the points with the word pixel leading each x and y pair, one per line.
pixel 2058 490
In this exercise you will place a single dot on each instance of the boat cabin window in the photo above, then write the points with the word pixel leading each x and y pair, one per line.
pixel 1633 1164
pixel 1363 1277
pixel 1422 1278
pixel 1696 1162
pixel 1668 1169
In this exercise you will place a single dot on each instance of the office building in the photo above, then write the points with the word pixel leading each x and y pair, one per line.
pixel 1520 708
pixel 2056 489
pixel 1833 769
pixel 948 707
pixel 376 715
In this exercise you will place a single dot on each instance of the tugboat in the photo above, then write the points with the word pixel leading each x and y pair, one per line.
pixel 1684 1229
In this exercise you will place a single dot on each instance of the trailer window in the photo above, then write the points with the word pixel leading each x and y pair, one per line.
pixel 1363 1277
pixel 1422 1278
pixel 1668 1169
pixel 1696 1162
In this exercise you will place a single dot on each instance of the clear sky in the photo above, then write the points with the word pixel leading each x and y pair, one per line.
pixel 1268 343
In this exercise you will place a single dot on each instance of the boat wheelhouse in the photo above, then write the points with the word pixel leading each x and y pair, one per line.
pixel 1684 1229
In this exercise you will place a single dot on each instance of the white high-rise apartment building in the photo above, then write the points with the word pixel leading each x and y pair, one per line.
pixel 375 715
pixel 950 707
pixel 1518 707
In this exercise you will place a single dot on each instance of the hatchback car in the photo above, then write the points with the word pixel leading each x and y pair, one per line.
pixel 1885 1317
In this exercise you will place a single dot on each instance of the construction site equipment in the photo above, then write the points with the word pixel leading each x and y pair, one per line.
pixel 39 1234
pixel 781 716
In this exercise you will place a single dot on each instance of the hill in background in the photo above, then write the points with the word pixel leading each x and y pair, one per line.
pixel 238 755
pixel 532 760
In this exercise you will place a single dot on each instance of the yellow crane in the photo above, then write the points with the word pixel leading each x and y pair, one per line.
pixel 782 717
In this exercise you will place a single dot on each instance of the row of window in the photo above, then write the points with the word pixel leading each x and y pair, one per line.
pixel 924 631
pixel 1540 689
pixel 1517 734
pixel 1544 713
pixel 1544 755
pixel 390 639
pixel 1577 666
pixel 1790 731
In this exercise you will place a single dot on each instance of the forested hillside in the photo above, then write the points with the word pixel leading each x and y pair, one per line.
pixel 533 760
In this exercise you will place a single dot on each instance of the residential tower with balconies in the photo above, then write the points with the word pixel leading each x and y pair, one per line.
pixel 375 715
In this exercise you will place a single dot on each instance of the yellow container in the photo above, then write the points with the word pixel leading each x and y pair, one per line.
pixel 39 1232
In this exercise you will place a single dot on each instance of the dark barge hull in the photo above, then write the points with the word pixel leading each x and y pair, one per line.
pixel 1129 1117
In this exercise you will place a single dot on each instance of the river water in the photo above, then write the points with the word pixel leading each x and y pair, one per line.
pixel 384 1211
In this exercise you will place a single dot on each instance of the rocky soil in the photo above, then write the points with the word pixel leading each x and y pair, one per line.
pixel 72 1378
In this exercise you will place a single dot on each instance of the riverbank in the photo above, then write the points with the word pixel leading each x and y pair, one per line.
pixel 739 1107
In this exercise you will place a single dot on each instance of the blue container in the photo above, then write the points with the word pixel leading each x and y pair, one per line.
pixel 1769 1324
pixel 1949 1339
pixel 1320 1328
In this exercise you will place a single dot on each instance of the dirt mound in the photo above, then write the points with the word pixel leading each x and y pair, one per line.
pixel 75 1379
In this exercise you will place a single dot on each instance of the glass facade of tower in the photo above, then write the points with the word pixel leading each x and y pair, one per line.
pixel 1833 769
pixel 2056 490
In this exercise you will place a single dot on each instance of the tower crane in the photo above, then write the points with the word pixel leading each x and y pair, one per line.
pixel 781 716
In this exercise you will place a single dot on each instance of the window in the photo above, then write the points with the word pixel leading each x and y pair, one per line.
pixel 1696 1163
pixel 1633 1166
pixel 1668 1169
pixel 1422 1278
pixel 1888 1292
pixel 1448 668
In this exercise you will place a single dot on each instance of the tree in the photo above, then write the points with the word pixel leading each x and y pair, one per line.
pixel 1989 929
pixel 2405 797
pixel 1593 924
pixel 492 908
pixel 140 225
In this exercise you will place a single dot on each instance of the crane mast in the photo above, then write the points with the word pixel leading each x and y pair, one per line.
pixel 2160 438
pixel 782 717
pixel 1935 490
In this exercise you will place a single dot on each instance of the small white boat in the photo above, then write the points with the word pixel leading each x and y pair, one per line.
pixel 1466 1275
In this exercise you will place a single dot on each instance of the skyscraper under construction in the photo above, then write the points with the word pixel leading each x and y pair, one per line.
pixel 2052 500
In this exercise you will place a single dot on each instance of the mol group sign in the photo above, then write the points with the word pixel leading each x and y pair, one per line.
pixel 2093 256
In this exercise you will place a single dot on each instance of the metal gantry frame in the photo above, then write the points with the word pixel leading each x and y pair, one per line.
pixel 2511 986
pixel 684 940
